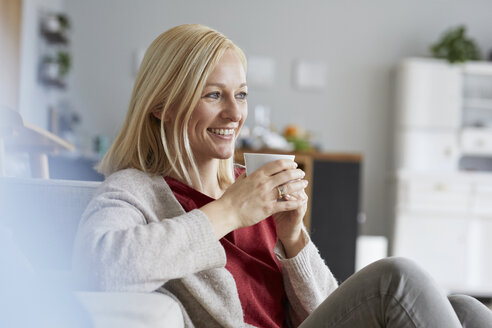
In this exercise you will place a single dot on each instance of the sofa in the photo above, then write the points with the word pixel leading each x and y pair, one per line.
pixel 37 226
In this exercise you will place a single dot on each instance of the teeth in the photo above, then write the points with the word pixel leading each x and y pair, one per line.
pixel 222 132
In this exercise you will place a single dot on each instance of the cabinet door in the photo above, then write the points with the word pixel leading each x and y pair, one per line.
pixel 427 150
pixel 429 94
pixel 482 201
pixel 479 255
pixel 436 242
pixel 436 194
pixel 476 141
pixel 335 206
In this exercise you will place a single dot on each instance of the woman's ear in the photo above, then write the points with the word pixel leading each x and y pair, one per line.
pixel 157 113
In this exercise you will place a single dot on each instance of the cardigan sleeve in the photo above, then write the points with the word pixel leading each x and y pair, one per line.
pixel 123 244
pixel 307 280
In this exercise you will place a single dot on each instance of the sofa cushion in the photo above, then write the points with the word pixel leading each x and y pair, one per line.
pixel 44 215
pixel 34 298
pixel 38 222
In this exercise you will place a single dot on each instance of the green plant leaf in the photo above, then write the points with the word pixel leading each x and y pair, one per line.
pixel 454 46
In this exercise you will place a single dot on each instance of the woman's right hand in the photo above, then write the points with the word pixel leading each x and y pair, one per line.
pixel 253 198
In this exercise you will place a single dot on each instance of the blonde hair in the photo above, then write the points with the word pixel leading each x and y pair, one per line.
pixel 171 78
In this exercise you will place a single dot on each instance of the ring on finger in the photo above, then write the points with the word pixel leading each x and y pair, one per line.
pixel 281 192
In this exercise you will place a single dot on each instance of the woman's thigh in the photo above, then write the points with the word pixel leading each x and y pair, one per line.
pixel 392 292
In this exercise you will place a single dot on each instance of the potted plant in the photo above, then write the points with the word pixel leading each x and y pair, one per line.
pixel 455 46
pixel 55 27
pixel 64 61
pixel 55 68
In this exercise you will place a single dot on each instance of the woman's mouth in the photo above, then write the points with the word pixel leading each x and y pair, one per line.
pixel 221 132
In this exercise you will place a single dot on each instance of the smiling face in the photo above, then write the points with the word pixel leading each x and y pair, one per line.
pixel 220 112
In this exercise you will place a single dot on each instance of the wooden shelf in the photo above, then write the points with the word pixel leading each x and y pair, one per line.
pixel 33 139
pixel 36 142
pixel 337 156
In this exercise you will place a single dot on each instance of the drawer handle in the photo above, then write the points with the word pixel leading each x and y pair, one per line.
pixel 440 187
pixel 479 143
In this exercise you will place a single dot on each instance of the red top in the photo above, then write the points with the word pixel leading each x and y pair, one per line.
pixel 250 260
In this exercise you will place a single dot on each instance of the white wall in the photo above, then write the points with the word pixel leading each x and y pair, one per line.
pixel 34 98
pixel 361 41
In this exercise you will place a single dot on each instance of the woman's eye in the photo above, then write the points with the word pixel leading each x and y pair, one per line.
pixel 213 95
pixel 242 95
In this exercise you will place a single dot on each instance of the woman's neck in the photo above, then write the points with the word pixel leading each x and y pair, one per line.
pixel 208 177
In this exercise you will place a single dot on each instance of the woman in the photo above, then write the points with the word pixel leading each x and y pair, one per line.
pixel 175 216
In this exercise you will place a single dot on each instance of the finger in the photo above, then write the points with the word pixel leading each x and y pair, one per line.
pixel 301 195
pixel 289 205
pixel 284 191
pixel 287 176
pixel 294 196
pixel 291 197
pixel 294 187
pixel 276 167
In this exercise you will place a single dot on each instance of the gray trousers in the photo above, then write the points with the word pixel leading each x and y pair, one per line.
pixel 395 292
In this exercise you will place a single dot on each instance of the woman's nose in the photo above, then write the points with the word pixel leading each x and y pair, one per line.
pixel 232 109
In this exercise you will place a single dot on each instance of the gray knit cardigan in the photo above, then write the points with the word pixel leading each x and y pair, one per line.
pixel 135 236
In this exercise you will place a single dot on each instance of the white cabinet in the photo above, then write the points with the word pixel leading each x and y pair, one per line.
pixel 443 113
pixel 435 194
pixel 476 141
pixel 482 202
pixel 477 95
pixel 479 259
pixel 420 237
pixel 443 221
pixel 424 149
pixel 443 172
pixel 429 94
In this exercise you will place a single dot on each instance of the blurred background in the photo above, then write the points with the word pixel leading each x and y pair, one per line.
pixel 342 74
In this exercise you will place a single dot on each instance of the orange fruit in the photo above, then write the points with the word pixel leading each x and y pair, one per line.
pixel 291 130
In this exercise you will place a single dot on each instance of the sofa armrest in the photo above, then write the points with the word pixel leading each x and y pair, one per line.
pixel 132 310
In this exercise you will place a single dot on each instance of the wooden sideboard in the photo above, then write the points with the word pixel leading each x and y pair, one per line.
pixel 334 202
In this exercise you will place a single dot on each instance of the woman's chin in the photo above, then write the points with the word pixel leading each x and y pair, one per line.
pixel 225 154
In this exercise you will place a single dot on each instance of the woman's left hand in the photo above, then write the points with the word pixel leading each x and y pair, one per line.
pixel 289 223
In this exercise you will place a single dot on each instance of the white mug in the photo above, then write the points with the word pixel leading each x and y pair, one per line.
pixel 254 161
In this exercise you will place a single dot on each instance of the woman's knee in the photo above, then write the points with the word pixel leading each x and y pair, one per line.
pixel 462 302
pixel 470 311
pixel 461 299
pixel 398 266
pixel 403 270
